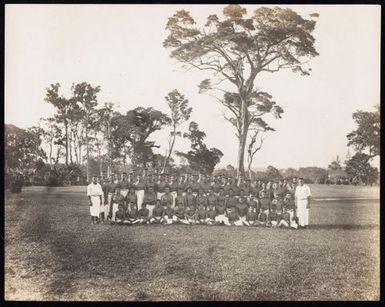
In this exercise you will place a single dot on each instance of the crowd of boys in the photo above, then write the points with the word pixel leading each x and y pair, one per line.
pixel 192 199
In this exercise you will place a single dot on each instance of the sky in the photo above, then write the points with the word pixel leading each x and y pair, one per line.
pixel 119 48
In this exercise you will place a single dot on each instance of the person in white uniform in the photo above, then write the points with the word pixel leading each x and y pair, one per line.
pixel 302 203
pixel 95 197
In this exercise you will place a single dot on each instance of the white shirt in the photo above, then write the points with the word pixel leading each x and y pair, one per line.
pixel 94 189
pixel 302 192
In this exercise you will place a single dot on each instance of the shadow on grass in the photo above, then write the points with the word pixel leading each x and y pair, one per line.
pixel 74 263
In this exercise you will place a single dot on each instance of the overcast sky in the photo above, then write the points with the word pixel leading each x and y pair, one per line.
pixel 119 47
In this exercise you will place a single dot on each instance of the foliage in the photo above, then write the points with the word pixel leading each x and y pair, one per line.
pixel 273 173
pixel 180 113
pixel 313 174
pixel 71 126
pixel 22 148
pixel 236 49
pixel 290 173
pixel 200 158
pixel 130 133
pixel 367 135
pixel 360 170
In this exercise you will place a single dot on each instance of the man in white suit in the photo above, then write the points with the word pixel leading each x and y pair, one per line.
pixel 302 203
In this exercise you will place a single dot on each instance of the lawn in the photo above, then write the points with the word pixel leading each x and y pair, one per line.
pixel 52 252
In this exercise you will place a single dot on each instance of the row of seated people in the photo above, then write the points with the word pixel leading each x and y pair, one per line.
pixel 211 210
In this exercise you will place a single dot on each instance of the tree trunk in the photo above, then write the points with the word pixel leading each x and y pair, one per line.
pixel 242 139
pixel 250 161
pixel 241 156
pixel 50 149
pixel 66 141
pixel 70 146
pixel 171 146
pixel 109 169
pixel 100 162
pixel 76 148
pixel 87 153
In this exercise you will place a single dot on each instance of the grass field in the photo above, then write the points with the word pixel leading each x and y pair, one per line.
pixel 52 252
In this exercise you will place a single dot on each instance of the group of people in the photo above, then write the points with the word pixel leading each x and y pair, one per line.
pixel 192 199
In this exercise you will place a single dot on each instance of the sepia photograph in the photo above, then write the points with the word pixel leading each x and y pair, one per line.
pixel 180 152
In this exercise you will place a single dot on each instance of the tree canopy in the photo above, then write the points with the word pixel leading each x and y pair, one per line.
pixel 200 158
pixel 22 147
pixel 130 133
pixel 236 49
pixel 367 135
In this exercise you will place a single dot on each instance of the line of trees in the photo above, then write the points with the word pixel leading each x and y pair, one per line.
pixel 83 137
pixel 235 49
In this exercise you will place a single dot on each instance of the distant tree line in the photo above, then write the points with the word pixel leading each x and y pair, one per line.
pixel 84 138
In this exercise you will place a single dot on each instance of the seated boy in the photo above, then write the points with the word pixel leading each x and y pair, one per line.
pixel 157 213
pixel 252 216
pixel 211 214
pixel 254 201
pixel 284 219
pixel 273 216
pixel 191 216
pixel 132 215
pixel 233 216
pixel 120 214
pixel 144 214
pixel 180 214
pixel 262 218
pixel 221 217
pixel 201 214
pixel 168 214
pixel 242 208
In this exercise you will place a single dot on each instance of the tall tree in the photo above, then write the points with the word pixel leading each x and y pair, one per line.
pixel 105 119
pixel 200 158
pixel 130 133
pixel 48 128
pixel 180 113
pixel 367 135
pixel 236 49
pixel 63 107
pixel 86 96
